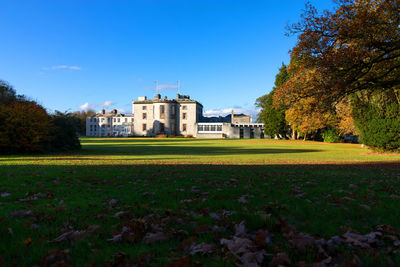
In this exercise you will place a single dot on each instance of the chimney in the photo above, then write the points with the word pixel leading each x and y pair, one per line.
pixel 114 111
pixel 103 111
pixel 251 119
pixel 158 96
pixel 232 116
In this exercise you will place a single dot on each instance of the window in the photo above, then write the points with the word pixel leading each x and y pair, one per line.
pixel 118 120
pixel 126 120
pixel 115 119
pixel 144 127
pixel 184 127
pixel 162 112
pixel 172 110
pixel 184 116
pixel 108 119
pixel 209 127
pixel 144 116
pixel 184 107
pixel 144 107
pixel 162 127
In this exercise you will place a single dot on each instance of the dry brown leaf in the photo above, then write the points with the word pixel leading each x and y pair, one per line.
pixel 240 229
pixel 155 237
pixel 253 259
pixel 71 236
pixel 202 248
pixel 238 245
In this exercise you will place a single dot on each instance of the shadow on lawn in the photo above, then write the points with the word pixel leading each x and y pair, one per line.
pixel 145 149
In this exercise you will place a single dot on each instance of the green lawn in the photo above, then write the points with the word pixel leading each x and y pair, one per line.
pixel 155 201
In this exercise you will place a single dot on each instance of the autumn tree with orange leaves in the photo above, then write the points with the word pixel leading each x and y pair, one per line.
pixel 354 48
pixel 342 59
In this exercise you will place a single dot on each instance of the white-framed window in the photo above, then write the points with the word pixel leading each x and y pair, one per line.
pixel 209 127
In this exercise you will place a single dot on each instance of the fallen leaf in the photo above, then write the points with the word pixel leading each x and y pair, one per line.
pixel 71 236
pixel 202 248
pixel 155 237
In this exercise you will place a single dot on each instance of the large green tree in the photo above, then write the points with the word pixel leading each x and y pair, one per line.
pixel 273 117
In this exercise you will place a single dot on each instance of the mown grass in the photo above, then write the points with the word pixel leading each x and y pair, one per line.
pixel 321 189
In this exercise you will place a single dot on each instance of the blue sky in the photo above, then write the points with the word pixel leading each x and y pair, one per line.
pixel 72 54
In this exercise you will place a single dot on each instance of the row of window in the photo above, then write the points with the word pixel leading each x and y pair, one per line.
pixel 163 108
pixel 209 128
pixel 144 116
pixel 144 127
pixel 126 119
pixel 109 119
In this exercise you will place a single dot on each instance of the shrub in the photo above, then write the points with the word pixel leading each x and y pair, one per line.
pixel 378 119
pixel 64 132
pixel 24 128
pixel 330 135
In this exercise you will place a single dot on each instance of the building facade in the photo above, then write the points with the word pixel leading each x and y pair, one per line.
pixel 181 116
pixel 109 124
pixel 166 116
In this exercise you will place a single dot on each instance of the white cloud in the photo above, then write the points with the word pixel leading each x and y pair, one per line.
pixel 106 104
pixel 84 106
pixel 62 67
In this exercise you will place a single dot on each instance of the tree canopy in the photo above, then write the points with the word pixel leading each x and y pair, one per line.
pixel 26 127
pixel 273 117
pixel 354 48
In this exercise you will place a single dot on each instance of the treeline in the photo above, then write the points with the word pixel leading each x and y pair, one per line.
pixel 26 127
pixel 343 77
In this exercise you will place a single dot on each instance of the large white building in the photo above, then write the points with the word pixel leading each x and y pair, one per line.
pixel 109 124
pixel 181 116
